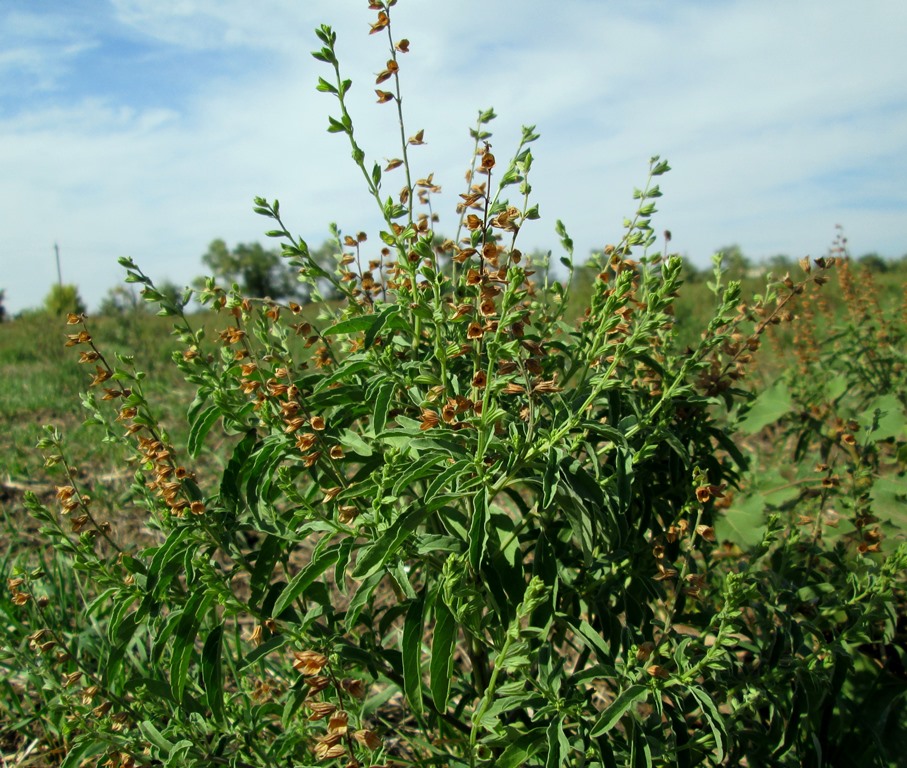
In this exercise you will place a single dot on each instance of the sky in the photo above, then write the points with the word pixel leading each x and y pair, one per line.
pixel 145 128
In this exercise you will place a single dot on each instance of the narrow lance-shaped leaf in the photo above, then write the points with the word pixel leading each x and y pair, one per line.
pixel 618 708
pixel 184 644
pixel 320 562
pixel 478 531
pixel 212 672
pixel 412 653
pixel 442 648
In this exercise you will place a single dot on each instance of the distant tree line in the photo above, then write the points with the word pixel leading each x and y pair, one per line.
pixel 260 272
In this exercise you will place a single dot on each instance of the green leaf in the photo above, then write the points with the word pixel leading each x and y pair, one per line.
pixel 352 325
pixel 744 522
pixel 771 405
pixel 591 639
pixel 154 686
pixel 521 749
pixel 362 597
pixel 263 650
pixel 421 469
pixel 266 560
pixel 883 418
pixel 184 645
pixel 714 719
pixel 199 428
pixel 177 756
pixel 213 673
pixel 354 443
pixel 443 480
pixel 229 484
pixel 411 646
pixel 558 745
pixel 81 749
pixel 382 404
pixel 165 563
pixel 440 668
pixel 478 530
pixel 618 708
pixel 387 316
pixel 155 737
pixel 373 557
pixel 345 371
pixel 320 562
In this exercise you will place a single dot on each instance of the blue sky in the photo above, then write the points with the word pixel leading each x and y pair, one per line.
pixel 146 127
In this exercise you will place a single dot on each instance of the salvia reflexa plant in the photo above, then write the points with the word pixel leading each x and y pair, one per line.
pixel 450 527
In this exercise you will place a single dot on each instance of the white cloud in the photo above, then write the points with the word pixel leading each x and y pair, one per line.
pixel 780 120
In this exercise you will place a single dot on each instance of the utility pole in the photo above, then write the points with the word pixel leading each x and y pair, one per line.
pixel 59 272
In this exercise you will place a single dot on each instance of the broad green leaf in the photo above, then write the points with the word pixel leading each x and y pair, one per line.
pixel 883 418
pixel 177 756
pixel 153 686
pixel 743 523
pixel 386 314
pixel 440 666
pixel 836 387
pixel 592 640
pixel 411 646
pixel 642 752
pixel 618 708
pixel 230 481
pixel 362 597
pixel 118 645
pixel 772 404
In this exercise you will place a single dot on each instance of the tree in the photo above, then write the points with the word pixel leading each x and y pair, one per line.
pixel 257 271
pixel 2 308
pixel 64 300
pixel 780 263
pixel 734 263
pixel 873 262
pixel 121 300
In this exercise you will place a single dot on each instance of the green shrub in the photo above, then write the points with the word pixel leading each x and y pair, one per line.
pixel 449 528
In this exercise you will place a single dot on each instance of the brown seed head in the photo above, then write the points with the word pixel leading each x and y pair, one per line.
pixel 309 662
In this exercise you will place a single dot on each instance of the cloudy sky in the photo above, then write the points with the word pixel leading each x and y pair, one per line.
pixel 146 127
